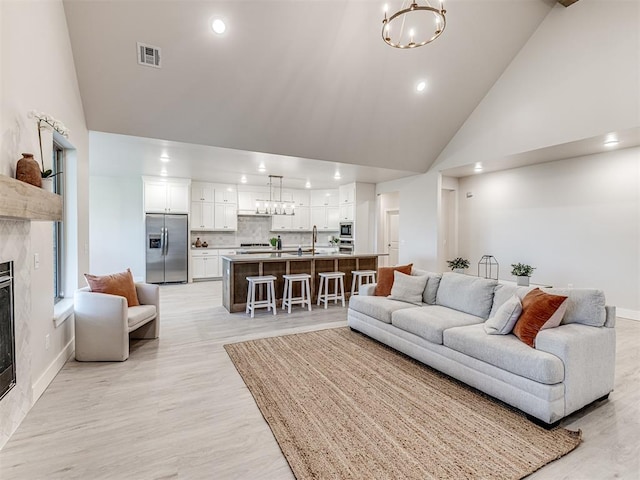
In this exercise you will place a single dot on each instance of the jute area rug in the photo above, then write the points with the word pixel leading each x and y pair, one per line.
pixel 344 406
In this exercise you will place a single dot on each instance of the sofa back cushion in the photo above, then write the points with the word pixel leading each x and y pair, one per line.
pixel 467 294
pixel 585 305
pixel 433 281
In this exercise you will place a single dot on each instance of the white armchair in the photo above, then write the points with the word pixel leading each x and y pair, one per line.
pixel 104 322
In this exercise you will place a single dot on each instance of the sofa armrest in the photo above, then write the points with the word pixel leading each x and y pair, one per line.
pixel 588 354
pixel 148 294
pixel 100 326
pixel 367 289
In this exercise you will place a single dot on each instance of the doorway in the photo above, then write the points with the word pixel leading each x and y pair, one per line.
pixel 392 236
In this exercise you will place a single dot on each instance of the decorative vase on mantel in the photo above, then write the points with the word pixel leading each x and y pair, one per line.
pixel 28 170
pixel 522 281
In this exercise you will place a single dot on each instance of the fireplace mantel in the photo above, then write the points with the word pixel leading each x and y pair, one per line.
pixel 21 201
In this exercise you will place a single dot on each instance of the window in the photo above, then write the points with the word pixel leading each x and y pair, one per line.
pixel 58 227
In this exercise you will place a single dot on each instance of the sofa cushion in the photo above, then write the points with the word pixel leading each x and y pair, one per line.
pixel 429 322
pixel 138 316
pixel 385 278
pixel 505 352
pixel 120 284
pixel 585 305
pixel 379 308
pixel 505 318
pixel 433 280
pixel 468 294
pixel 408 288
pixel 540 310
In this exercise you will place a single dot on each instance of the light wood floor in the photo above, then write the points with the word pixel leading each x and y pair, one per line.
pixel 178 409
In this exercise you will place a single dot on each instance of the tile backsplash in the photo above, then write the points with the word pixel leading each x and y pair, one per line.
pixel 257 230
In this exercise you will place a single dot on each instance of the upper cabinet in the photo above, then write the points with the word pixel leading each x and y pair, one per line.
pixel 300 198
pixel 226 194
pixel 324 198
pixel 202 192
pixel 169 195
pixel 347 193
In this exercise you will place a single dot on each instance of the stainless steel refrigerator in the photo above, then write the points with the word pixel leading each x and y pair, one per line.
pixel 167 248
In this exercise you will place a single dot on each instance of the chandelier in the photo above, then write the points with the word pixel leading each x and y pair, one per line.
pixel 275 206
pixel 409 27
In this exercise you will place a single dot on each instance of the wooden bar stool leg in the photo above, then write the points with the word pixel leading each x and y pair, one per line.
pixel 341 289
pixel 273 297
pixel 308 285
pixel 320 289
pixel 246 310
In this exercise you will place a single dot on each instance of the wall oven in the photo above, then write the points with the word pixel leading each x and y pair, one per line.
pixel 345 246
pixel 346 229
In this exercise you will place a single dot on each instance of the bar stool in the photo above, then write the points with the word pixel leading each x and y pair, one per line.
pixel 305 291
pixel 359 276
pixel 325 278
pixel 270 302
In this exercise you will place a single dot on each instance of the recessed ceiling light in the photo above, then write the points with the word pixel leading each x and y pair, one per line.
pixel 478 167
pixel 164 158
pixel 611 143
pixel 308 184
pixel 218 26
pixel 243 179
pixel 337 176
pixel 262 168
pixel 421 86
pixel 163 173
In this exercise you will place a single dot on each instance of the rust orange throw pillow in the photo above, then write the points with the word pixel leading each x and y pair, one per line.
pixel 121 284
pixel 385 278
pixel 539 311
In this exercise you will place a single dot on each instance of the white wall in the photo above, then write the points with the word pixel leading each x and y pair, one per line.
pixel 117 226
pixel 577 77
pixel 575 220
pixel 38 73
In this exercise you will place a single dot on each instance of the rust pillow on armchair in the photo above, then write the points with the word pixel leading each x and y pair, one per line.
pixel 540 310
pixel 121 284
pixel 385 278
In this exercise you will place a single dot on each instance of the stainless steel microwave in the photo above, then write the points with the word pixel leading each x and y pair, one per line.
pixel 346 229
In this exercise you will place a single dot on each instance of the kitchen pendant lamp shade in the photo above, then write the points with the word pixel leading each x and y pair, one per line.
pixel 414 24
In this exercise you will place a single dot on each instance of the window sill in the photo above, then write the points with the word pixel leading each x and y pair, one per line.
pixel 62 311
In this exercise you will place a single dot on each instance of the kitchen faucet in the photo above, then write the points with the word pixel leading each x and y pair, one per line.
pixel 314 239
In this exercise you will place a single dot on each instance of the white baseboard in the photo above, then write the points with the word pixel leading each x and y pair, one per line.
pixel 52 370
pixel 629 314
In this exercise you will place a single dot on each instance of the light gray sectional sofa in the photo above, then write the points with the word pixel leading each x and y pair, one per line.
pixel 571 365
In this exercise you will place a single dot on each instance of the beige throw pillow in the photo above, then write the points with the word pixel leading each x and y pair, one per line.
pixel 408 288
pixel 505 318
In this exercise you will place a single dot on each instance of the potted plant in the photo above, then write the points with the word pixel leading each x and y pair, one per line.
pixel 273 241
pixel 522 272
pixel 458 264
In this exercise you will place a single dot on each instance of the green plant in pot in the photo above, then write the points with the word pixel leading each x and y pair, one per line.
pixel 458 264
pixel 273 241
pixel 522 272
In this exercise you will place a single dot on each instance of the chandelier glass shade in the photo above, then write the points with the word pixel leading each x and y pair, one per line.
pixel 275 205
pixel 414 25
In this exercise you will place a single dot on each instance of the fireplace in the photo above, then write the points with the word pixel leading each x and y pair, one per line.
pixel 7 330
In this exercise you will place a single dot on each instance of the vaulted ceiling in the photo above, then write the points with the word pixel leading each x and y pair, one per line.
pixel 306 79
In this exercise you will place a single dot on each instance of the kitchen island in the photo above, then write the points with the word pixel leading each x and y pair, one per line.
pixel 236 269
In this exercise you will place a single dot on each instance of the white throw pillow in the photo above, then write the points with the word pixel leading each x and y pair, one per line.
pixel 408 288
pixel 505 318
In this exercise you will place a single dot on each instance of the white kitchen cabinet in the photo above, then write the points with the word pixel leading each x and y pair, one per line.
pixel 226 194
pixel 347 193
pixel 325 218
pixel 202 216
pixel 301 198
pixel 301 221
pixel 347 212
pixel 202 192
pixel 170 196
pixel 225 217
pixel 281 223
pixel 324 198
pixel 247 202
pixel 205 264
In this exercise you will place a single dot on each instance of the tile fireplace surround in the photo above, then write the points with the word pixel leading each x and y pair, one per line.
pixel 15 244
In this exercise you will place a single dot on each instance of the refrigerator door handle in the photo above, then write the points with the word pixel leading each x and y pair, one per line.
pixel 166 240
pixel 162 241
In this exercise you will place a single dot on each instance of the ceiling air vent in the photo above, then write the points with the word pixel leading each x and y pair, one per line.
pixel 148 55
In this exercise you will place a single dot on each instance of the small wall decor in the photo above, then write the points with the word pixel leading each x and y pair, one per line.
pixel 28 170
pixel 488 267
